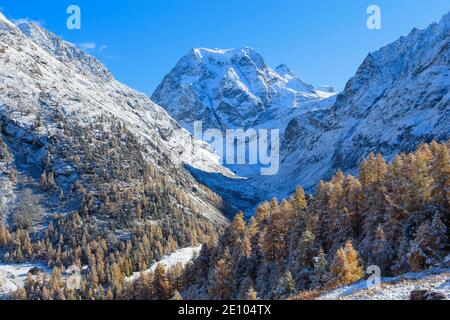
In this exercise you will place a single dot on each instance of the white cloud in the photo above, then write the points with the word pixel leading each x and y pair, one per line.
pixel 27 20
pixel 92 47
pixel 88 46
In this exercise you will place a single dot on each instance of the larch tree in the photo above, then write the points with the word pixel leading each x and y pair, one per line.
pixel 346 268
pixel 222 282
pixel 161 285
pixel 238 237
pixel 440 170
pixel 299 201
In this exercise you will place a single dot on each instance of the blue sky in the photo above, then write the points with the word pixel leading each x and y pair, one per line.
pixel 323 42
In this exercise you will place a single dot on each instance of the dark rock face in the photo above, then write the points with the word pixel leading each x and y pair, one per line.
pixel 426 295
pixel 35 271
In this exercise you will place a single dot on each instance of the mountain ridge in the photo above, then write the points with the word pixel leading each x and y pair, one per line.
pixel 51 90
pixel 379 110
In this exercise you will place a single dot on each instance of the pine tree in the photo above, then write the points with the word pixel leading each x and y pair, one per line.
pixel 320 273
pixel 427 248
pixel 307 250
pixel 421 254
pixel 286 286
pixel 439 235
pixel 382 252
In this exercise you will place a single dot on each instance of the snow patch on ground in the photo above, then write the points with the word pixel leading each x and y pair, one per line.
pixel 13 276
pixel 395 288
pixel 182 256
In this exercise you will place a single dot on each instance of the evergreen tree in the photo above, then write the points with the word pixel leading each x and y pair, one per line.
pixel 320 273
pixel 382 252
pixel 285 287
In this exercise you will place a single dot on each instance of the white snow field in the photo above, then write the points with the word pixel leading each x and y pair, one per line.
pixel 182 256
pixel 396 288
pixel 13 276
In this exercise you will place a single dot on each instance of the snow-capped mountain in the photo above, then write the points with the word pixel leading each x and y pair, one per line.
pixel 231 89
pixel 234 89
pixel 51 91
pixel 398 98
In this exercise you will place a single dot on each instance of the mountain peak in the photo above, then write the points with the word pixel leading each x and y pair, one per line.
pixel 207 51
pixel 3 18
pixel 283 69
pixel 244 55
pixel 5 23
pixel 63 50
pixel 229 88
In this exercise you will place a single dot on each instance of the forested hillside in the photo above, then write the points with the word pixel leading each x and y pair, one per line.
pixel 91 171
pixel 395 216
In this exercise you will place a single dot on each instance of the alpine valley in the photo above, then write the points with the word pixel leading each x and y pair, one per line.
pixel 398 99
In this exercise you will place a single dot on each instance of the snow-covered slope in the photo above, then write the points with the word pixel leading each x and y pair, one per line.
pixel 398 98
pixel 232 88
pixel 398 288
pixel 43 78
pixel 182 256
pixel 13 276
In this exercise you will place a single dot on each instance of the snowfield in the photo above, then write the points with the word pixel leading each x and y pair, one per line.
pixel 396 288
pixel 13 276
pixel 182 256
